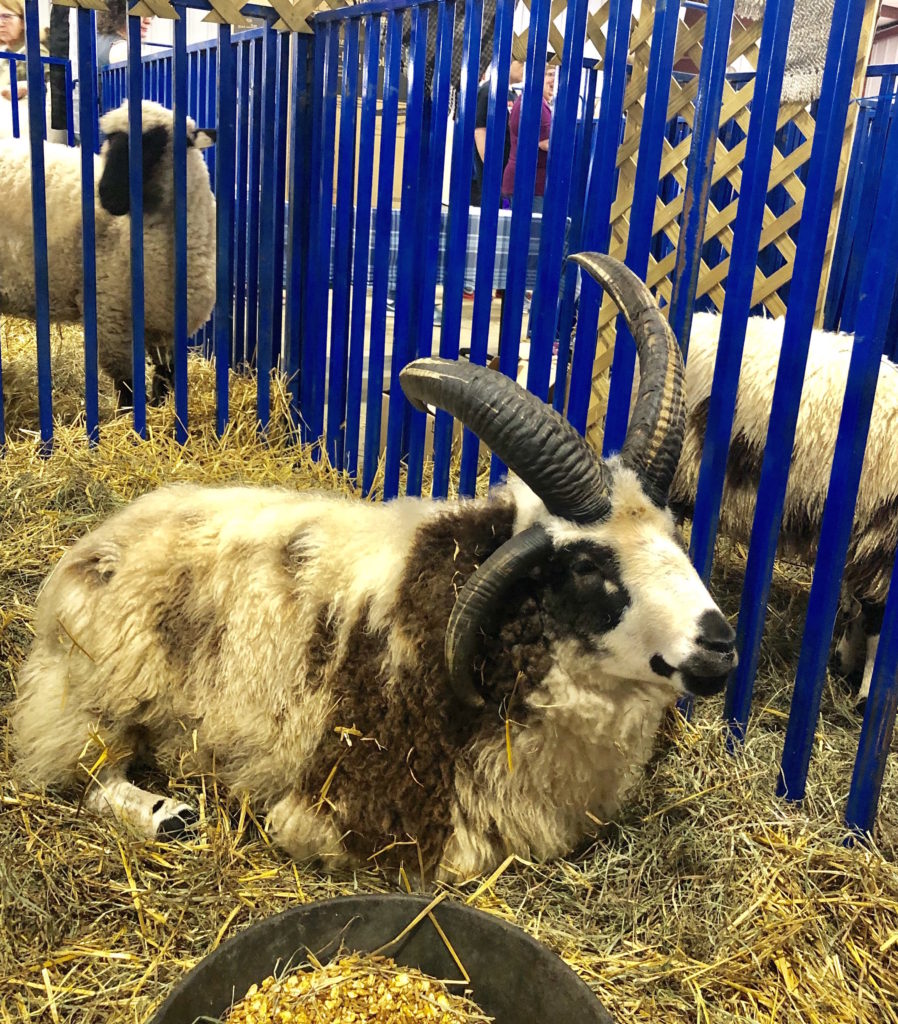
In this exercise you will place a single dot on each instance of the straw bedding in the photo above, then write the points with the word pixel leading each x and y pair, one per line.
pixel 710 901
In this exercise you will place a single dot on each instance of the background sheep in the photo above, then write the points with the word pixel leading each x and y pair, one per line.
pixel 113 228
pixel 354 666
pixel 875 531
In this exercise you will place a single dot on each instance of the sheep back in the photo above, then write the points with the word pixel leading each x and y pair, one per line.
pixel 875 530
pixel 288 643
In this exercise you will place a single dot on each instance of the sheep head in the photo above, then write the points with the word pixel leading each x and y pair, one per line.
pixel 613 576
pixel 157 125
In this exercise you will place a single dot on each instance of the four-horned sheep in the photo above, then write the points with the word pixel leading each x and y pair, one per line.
pixel 113 235
pixel 875 531
pixel 359 669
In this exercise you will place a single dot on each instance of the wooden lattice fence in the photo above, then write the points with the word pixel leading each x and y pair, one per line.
pixel 786 171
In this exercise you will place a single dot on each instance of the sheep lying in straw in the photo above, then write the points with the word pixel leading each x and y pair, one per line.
pixel 470 679
pixel 113 226
pixel 875 532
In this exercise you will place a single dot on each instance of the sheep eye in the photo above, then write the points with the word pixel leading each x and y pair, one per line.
pixel 585 567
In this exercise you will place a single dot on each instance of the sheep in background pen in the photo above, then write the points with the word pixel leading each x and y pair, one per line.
pixel 113 247
pixel 354 666
pixel 875 531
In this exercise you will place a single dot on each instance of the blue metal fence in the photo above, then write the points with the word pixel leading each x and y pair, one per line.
pixel 300 201
pixel 12 60
pixel 869 169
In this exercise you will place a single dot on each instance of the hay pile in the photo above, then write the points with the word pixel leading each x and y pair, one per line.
pixel 712 901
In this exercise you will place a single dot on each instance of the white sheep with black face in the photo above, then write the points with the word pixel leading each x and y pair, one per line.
pixel 351 665
pixel 875 531
pixel 113 246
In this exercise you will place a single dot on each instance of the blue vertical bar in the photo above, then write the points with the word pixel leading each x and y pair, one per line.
pixel 244 85
pixel 364 183
pixel 851 201
pixel 179 155
pixel 298 253
pixel 863 226
pixel 807 270
pixel 16 128
pixel 135 172
pixel 879 722
pixel 87 58
pixel 339 331
pixel 280 192
pixel 37 120
pixel 700 167
pixel 559 171
pixel 382 231
pixel 267 273
pixel 520 232
pixel 494 159
pixel 407 269
pixel 457 229
pixel 569 282
pixel 224 222
pixel 737 303
pixel 642 212
pixel 70 104
pixel 253 214
pixel 315 352
pixel 599 198
pixel 878 288
pixel 430 253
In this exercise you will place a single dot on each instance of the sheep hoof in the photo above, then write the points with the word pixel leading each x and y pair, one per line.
pixel 160 392
pixel 849 677
pixel 172 820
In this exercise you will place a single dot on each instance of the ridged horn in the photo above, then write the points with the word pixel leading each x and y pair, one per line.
pixel 544 450
pixel 655 435
pixel 478 601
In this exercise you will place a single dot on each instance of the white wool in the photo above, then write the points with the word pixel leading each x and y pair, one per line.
pixel 113 234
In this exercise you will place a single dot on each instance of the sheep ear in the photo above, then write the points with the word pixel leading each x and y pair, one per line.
pixel 204 138
pixel 113 187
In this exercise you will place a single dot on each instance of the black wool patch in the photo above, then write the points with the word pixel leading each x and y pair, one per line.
pixel 114 187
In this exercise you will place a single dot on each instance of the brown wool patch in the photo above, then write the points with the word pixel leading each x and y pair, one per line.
pixel 321 648
pixel 295 555
pixel 188 629
pixel 394 786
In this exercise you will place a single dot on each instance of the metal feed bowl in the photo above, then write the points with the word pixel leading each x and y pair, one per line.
pixel 514 978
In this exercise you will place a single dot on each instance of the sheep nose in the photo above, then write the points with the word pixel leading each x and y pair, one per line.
pixel 715 634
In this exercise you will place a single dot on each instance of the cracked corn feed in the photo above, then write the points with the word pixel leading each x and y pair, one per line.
pixel 354 990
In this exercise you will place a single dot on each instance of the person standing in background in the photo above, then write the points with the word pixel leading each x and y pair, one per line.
pixel 13 85
pixel 112 33
pixel 545 126
pixel 515 77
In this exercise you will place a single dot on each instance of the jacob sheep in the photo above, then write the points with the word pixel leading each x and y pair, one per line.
pixel 875 531
pixel 353 666
pixel 113 229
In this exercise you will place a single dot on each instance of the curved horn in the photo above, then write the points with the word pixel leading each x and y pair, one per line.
pixel 478 601
pixel 655 435
pixel 544 450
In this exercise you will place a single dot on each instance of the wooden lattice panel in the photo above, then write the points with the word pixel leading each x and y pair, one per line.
pixel 785 171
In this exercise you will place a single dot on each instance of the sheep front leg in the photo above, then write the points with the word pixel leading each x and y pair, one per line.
pixel 163 374
pixel 848 656
pixel 304 832
pixel 871 615
pixel 151 816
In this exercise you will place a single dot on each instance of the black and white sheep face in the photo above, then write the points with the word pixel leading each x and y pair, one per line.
pixel 114 186
pixel 626 590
